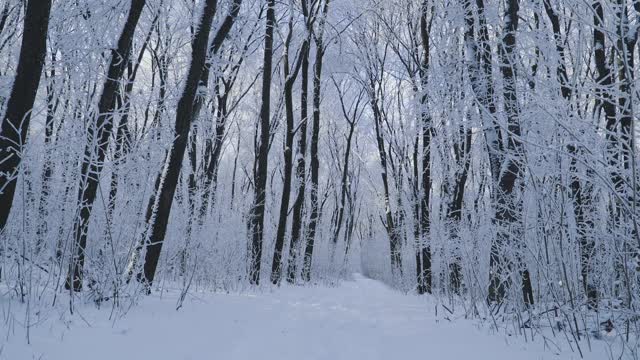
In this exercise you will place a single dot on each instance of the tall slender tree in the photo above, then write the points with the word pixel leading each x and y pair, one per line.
pixel 423 257
pixel 166 188
pixel 297 217
pixel 261 167
pixel 290 75
pixel 98 133
pixel 315 134
pixel 15 124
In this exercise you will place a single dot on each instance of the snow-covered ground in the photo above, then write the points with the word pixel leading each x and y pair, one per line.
pixel 360 319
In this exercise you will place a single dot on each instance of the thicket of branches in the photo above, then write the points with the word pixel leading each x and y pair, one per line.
pixel 480 150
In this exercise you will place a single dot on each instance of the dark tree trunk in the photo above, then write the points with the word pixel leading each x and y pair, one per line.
pixel 98 133
pixel 165 189
pixel 416 211
pixel 314 166
pixel 214 150
pixel 290 77
pixel 162 72
pixel 424 249
pixel 298 205
pixel 15 125
pixel 261 169
pixel 315 134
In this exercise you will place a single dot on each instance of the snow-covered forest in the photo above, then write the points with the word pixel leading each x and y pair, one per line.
pixel 477 157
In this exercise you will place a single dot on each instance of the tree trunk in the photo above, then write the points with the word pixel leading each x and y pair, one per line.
pixel 165 189
pixel 261 169
pixel 123 135
pixel 424 249
pixel 97 142
pixel 315 134
pixel 15 125
pixel 211 163
pixel 298 205
pixel 290 77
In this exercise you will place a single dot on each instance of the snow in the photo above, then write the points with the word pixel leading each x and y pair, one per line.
pixel 359 319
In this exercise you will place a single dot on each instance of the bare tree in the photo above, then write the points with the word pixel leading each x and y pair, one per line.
pixel 314 217
pixel 98 133
pixel 15 124
pixel 290 75
pixel 261 167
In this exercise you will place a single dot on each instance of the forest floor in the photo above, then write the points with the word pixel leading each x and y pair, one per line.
pixel 358 319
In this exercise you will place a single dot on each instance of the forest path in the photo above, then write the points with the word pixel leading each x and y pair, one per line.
pixel 359 319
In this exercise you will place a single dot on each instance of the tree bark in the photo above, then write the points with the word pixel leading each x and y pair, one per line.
pixel 166 187
pixel 298 205
pixel 123 137
pixel 211 159
pixel 424 249
pixel 261 169
pixel 290 76
pixel 315 134
pixel 98 134
pixel 15 125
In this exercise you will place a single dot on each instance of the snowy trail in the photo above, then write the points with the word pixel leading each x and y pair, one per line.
pixel 361 319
